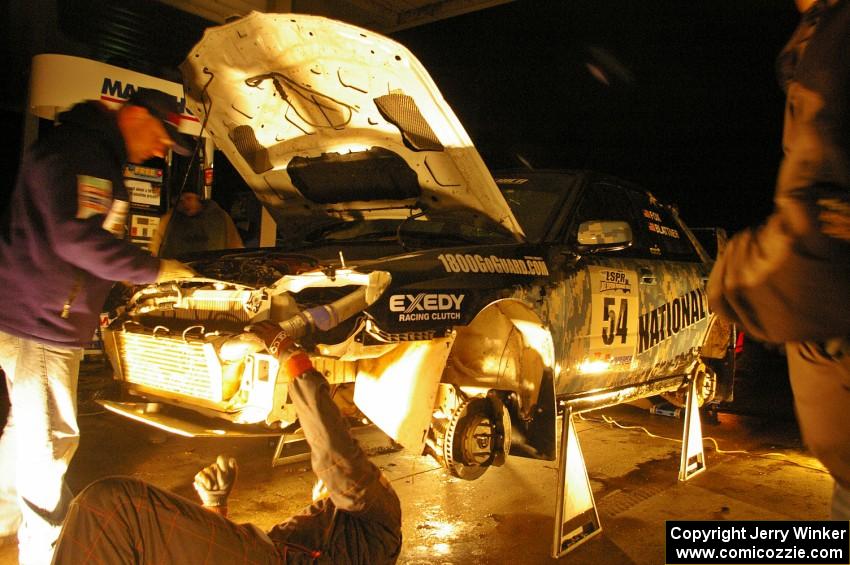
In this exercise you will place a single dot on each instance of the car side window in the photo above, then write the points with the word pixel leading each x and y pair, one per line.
pixel 661 233
pixel 606 201
pixel 656 232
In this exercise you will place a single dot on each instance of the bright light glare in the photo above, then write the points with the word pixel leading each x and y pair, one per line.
pixel 442 530
pixel 414 362
pixel 537 337
pixel 491 365
pixel 593 366
pixel 343 148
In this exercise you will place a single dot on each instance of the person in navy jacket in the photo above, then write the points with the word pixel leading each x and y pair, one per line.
pixel 61 249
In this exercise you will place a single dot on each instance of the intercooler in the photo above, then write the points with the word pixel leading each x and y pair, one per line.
pixel 191 368
pixel 187 367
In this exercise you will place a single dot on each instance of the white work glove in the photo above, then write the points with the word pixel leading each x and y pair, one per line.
pixel 214 482
pixel 171 269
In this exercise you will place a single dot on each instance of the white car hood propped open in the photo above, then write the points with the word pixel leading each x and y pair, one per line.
pixel 325 119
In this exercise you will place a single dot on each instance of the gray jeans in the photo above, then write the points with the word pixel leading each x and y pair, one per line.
pixel 840 503
pixel 38 442
pixel 820 379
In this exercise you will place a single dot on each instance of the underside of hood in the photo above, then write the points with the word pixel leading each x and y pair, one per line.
pixel 325 119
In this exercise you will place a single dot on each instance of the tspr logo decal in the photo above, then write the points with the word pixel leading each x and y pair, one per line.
pixel 426 306
pixel 614 280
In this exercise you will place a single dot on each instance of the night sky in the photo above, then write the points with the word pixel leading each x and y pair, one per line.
pixel 679 96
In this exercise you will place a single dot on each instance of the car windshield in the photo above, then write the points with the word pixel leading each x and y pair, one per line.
pixel 534 198
pixel 413 230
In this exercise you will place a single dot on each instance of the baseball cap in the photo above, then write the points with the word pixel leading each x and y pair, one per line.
pixel 163 107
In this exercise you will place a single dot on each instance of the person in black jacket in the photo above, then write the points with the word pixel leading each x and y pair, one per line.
pixel 61 248
pixel 358 521
pixel 194 224
pixel 788 281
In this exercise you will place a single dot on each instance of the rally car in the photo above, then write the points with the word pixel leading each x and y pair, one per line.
pixel 457 308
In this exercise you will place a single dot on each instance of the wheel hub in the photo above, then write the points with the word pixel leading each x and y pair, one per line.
pixel 473 440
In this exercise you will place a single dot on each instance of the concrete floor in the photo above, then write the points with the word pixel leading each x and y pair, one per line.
pixel 508 514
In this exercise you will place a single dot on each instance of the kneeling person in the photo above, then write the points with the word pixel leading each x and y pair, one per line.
pixel 125 520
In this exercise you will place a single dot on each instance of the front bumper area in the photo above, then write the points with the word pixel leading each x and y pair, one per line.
pixel 188 343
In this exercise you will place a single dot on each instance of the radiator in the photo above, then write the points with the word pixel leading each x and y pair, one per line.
pixel 175 365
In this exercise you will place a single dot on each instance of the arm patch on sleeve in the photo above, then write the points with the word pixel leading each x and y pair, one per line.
pixel 94 196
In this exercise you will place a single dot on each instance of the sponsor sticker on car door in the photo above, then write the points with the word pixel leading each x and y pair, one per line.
pixel 614 315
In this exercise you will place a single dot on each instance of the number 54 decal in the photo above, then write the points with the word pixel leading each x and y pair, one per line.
pixel 614 312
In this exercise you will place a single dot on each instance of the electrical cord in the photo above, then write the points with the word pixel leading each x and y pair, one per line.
pixel 327 105
pixel 782 457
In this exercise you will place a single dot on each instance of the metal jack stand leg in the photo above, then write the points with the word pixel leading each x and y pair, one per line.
pixel 291 448
pixel 693 458
pixel 576 519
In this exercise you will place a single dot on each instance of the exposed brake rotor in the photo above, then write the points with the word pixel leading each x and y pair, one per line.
pixel 475 438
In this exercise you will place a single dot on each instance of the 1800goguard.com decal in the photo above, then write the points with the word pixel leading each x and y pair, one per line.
pixel 469 263
pixel 670 318
pixel 424 307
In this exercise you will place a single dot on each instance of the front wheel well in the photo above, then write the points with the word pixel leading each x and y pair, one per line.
pixel 505 348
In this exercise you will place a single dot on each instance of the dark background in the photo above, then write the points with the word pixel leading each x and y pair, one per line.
pixel 691 109
pixel 677 95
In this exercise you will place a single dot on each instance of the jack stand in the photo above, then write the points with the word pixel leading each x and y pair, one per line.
pixel 693 457
pixel 291 448
pixel 576 519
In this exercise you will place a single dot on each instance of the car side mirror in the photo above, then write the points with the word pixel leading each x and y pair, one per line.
pixel 604 235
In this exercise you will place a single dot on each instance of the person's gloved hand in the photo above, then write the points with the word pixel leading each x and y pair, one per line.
pixel 171 269
pixel 293 361
pixel 214 482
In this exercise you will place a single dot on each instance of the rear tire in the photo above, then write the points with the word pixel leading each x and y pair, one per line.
pixel 706 388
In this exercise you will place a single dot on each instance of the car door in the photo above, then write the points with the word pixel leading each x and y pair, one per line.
pixel 674 315
pixel 617 284
pixel 632 307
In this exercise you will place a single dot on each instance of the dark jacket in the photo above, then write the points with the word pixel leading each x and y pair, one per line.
pixel 55 251
pixel 789 280
pixel 360 521
pixel 179 234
